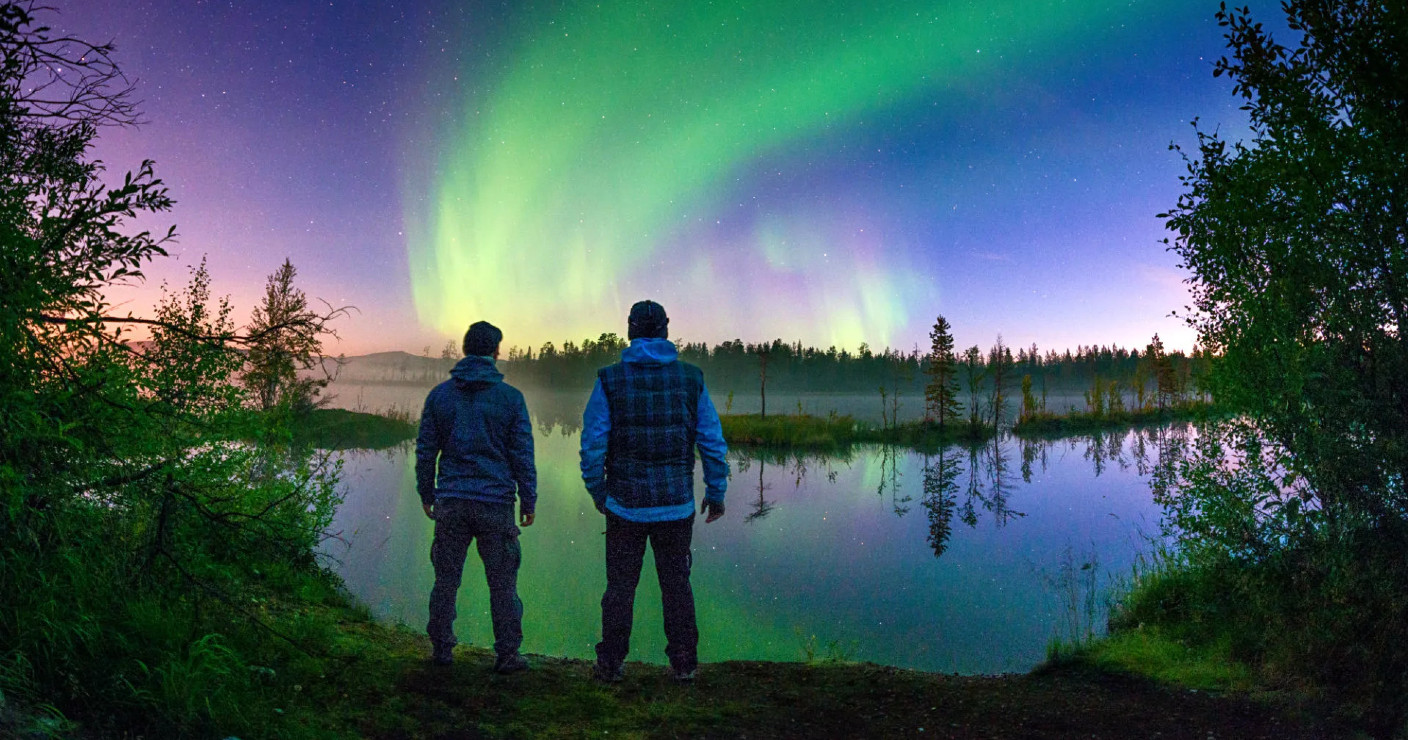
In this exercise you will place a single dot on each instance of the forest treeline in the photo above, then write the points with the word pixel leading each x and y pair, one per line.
pixel 1139 375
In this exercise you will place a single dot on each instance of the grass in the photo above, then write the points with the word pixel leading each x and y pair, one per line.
pixel 1083 422
pixel 1153 653
pixel 385 689
pixel 333 672
pixel 391 692
pixel 835 432
pixel 1325 621
pixel 804 431
pixel 340 429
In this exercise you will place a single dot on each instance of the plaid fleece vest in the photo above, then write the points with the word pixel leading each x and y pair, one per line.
pixel 650 449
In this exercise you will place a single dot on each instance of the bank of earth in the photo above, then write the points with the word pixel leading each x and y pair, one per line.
pixel 391 691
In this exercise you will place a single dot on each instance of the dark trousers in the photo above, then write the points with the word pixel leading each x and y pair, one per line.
pixel 457 523
pixel 625 551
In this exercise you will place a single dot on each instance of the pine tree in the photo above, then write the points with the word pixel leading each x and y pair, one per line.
pixel 941 392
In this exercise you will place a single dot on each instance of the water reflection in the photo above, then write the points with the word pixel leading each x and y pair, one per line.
pixel 941 497
pixel 987 484
pixel 890 479
pixel 762 507
pixel 951 561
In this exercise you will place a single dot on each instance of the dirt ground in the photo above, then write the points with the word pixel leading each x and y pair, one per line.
pixel 787 700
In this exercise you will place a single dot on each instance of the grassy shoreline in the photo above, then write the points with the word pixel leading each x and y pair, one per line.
pixel 807 432
pixel 804 431
pixel 1084 422
pixel 316 665
pixel 341 429
pixel 360 678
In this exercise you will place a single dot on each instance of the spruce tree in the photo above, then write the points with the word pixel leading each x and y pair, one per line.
pixel 941 392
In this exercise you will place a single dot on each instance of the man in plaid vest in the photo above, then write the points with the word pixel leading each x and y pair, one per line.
pixel 645 417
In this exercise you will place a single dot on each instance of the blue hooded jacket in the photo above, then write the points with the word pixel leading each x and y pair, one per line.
pixel 644 482
pixel 477 427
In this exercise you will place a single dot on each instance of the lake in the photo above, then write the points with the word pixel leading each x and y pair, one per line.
pixel 970 561
pixel 562 407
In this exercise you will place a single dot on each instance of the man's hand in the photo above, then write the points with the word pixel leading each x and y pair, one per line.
pixel 714 509
pixel 429 511
pixel 525 520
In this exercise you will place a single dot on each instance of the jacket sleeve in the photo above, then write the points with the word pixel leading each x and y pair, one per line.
pixel 596 429
pixel 713 450
pixel 428 445
pixel 525 473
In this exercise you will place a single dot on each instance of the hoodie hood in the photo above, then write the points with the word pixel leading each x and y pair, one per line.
pixel 644 351
pixel 475 373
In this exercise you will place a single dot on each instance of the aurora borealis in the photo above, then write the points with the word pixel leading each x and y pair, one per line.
pixel 833 172
pixel 718 156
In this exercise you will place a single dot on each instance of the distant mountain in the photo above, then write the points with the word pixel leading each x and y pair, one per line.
pixel 378 367
pixel 389 367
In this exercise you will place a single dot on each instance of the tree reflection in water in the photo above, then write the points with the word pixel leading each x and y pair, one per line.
pixel 952 489
pixel 941 497
pixel 763 507
pixel 798 464
pixel 566 419
pixel 890 479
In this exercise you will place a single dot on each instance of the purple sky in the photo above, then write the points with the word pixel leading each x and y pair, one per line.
pixel 1019 198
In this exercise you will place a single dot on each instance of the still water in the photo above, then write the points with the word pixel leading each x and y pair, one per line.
pixel 969 561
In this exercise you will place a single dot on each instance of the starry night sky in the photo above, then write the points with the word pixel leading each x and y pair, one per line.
pixel 835 172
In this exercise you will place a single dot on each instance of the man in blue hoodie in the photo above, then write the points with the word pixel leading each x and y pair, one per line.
pixel 476 427
pixel 645 417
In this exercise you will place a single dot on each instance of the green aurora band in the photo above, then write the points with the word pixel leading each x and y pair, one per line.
pixel 606 156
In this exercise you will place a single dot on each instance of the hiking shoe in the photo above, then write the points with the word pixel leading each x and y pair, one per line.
pixel 514 663
pixel 609 674
pixel 442 655
pixel 685 676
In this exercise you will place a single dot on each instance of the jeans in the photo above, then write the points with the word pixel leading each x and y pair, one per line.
pixel 625 552
pixel 458 522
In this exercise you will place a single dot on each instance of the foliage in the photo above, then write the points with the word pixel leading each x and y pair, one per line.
pixel 999 370
pixel 1295 514
pixel 1297 248
pixel 339 429
pixel 1030 405
pixel 286 339
pixel 1167 387
pixel 974 373
pixel 133 522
